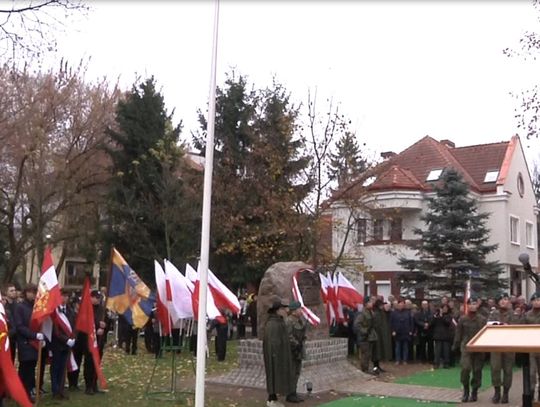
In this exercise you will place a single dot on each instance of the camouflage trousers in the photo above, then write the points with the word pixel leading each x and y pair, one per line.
pixel 502 363
pixel 471 362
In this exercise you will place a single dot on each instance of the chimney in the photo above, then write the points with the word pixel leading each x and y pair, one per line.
pixel 388 154
pixel 448 143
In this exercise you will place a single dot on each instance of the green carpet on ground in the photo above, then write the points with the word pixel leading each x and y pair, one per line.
pixel 447 378
pixel 369 401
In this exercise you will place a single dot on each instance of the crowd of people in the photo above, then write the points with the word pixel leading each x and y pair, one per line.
pixel 66 350
pixel 436 332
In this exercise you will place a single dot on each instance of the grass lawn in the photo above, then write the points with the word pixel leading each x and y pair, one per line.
pixel 370 401
pixel 448 378
pixel 128 377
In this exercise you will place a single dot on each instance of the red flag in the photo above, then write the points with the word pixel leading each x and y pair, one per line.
pixel 347 293
pixel 48 297
pixel 10 382
pixel 85 323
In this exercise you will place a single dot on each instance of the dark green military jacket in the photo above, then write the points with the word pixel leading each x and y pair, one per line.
pixel 364 326
pixel 532 317
pixel 467 327
pixel 296 328
pixel 277 356
pixel 504 316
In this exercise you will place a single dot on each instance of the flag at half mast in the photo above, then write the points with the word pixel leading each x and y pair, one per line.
pixel 128 295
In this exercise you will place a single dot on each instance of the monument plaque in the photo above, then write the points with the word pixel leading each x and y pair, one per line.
pixel 309 284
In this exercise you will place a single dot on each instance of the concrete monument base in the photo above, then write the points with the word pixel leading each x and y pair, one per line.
pixel 325 366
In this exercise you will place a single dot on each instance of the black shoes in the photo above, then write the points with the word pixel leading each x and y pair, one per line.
pixel 504 398
pixel 294 398
pixel 474 395
pixel 465 397
pixel 496 399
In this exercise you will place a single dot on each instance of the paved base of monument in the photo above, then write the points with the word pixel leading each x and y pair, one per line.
pixel 325 366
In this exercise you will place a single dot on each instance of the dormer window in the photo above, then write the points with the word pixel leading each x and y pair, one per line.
pixel 491 176
pixel 369 181
pixel 434 175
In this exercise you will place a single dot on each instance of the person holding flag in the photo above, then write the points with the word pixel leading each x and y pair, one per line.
pixel 28 354
pixel 10 382
pixel 90 324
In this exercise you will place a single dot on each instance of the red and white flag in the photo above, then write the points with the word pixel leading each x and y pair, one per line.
pixel 48 297
pixel 347 294
pixel 181 291
pixel 62 323
pixel 211 309
pixel 164 299
pixel 308 314
pixel 223 297
pixel 466 296
pixel 329 297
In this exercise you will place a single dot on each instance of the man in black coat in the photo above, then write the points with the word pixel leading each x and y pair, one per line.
pixel 11 301
pixel 28 354
pixel 423 325
pixel 61 343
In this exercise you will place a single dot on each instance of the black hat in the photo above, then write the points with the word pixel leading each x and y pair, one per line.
pixel 535 296
pixel 367 298
pixel 501 296
pixel 95 294
pixel 277 303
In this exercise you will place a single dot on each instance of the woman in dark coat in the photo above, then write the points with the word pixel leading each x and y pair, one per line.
pixel 442 336
pixel 277 354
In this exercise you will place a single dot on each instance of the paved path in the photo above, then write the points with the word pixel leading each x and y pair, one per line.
pixel 379 388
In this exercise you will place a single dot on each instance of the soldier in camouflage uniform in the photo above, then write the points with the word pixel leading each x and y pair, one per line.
pixel 366 335
pixel 467 327
pixel 296 327
pixel 533 317
pixel 502 362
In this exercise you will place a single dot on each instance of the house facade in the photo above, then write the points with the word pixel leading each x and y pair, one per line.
pixel 374 218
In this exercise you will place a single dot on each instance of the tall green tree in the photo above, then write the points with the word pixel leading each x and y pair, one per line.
pixel 255 221
pixel 346 161
pixel 454 244
pixel 153 207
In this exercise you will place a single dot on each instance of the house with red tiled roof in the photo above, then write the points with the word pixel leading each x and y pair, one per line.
pixel 393 197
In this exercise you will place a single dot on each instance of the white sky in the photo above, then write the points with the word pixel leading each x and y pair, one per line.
pixel 400 70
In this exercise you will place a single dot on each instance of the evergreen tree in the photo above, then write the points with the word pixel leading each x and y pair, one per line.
pixel 346 162
pixel 256 165
pixel 453 244
pixel 153 215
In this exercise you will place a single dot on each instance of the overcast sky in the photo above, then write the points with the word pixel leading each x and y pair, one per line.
pixel 400 70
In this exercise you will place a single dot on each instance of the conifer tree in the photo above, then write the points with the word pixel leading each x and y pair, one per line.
pixel 346 162
pixel 151 213
pixel 454 244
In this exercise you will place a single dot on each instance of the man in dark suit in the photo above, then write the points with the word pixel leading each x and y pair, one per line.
pixel 61 343
pixel 28 354
pixel 10 292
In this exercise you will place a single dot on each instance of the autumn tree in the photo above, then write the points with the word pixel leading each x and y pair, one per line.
pixel 453 246
pixel 29 26
pixel 154 200
pixel 52 165
pixel 256 183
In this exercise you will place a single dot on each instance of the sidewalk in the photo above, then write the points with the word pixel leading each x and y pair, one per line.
pixel 378 388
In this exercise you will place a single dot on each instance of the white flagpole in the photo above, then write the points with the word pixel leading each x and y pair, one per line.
pixel 205 234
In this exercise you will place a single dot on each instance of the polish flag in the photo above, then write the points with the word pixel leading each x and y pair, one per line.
pixel 211 309
pixel 329 297
pixel 347 293
pixel 48 297
pixel 310 316
pixel 223 297
pixel 163 299
pixel 181 291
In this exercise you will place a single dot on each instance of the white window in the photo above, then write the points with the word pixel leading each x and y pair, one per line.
pixel 529 229
pixel 361 225
pixel 491 176
pixel 434 175
pixel 367 290
pixel 384 288
pixel 514 229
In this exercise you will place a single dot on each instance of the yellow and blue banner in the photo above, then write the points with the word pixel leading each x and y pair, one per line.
pixel 128 294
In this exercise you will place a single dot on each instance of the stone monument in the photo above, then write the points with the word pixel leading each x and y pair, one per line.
pixel 325 363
